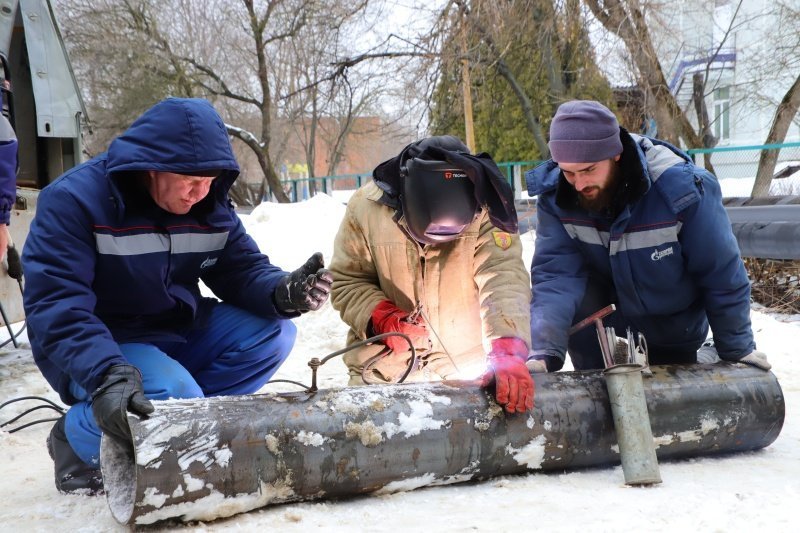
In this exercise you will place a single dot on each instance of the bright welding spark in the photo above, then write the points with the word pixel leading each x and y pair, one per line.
pixel 470 371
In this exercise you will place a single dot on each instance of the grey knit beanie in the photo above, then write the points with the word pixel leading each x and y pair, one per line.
pixel 584 131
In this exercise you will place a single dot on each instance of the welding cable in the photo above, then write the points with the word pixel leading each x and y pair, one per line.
pixel 8 326
pixel 439 339
pixel 48 404
pixel 315 363
pixel 369 365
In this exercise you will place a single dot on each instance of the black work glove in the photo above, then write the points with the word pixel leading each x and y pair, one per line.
pixel 121 391
pixel 305 289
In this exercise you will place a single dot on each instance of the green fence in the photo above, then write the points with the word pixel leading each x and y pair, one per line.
pixel 741 162
pixel 515 175
pixel 727 161
pixel 343 185
pixel 337 186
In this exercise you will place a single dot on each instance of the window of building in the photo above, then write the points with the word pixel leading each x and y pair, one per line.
pixel 722 113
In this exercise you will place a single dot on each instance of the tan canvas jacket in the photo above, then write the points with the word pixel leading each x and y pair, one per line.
pixel 473 289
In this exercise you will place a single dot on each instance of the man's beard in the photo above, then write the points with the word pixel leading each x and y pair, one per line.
pixel 605 195
pixel 600 202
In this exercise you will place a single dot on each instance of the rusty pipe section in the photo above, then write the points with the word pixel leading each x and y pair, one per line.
pixel 211 458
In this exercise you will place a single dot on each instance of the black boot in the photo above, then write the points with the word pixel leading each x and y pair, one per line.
pixel 72 474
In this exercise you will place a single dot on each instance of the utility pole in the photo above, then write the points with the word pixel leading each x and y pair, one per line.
pixel 466 85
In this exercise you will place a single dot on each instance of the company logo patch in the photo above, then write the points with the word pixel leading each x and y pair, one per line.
pixel 502 239
pixel 658 254
pixel 208 262
pixel 448 175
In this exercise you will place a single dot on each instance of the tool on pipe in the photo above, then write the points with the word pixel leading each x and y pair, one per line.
pixel 627 400
pixel 603 336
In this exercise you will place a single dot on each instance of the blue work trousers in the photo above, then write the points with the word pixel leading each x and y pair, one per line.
pixel 236 353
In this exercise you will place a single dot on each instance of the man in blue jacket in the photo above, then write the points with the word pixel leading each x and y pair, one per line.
pixel 630 220
pixel 8 179
pixel 114 309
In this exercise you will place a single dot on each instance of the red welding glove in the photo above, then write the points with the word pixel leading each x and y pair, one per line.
pixel 388 318
pixel 514 386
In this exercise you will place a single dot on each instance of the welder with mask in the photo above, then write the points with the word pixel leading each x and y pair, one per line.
pixel 430 249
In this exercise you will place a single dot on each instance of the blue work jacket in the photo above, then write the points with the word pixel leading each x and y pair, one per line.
pixel 105 265
pixel 668 251
pixel 8 170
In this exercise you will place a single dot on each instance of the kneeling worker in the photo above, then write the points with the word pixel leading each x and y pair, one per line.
pixel 113 263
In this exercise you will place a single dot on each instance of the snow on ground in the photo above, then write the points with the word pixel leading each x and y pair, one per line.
pixel 743 187
pixel 745 492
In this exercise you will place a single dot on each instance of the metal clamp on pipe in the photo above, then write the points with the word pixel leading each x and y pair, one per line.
pixel 632 424
pixel 628 404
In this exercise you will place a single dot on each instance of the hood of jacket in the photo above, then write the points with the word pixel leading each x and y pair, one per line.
pixel 181 135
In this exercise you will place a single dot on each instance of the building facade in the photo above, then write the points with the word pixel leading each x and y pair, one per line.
pixel 745 55
pixel 745 52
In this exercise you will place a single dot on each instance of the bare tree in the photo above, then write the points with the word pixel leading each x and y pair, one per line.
pixel 774 53
pixel 106 58
pixel 626 19
pixel 699 100
pixel 702 85
pixel 225 51
pixel 786 56
pixel 784 115
pixel 276 21
pixel 327 110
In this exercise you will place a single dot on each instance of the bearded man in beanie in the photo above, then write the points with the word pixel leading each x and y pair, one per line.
pixel 630 220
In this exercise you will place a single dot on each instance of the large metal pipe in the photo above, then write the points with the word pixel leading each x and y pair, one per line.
pixel 767 232
pixel 215 457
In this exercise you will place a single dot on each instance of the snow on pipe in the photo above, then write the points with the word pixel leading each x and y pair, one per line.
pixel 215 457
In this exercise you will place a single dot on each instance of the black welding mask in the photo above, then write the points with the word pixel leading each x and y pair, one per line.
pixel 438 200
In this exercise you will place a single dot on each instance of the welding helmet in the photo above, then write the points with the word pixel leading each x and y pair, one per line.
pixel 438 200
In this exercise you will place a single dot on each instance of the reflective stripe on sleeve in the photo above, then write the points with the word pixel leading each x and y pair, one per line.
pixel 149 243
